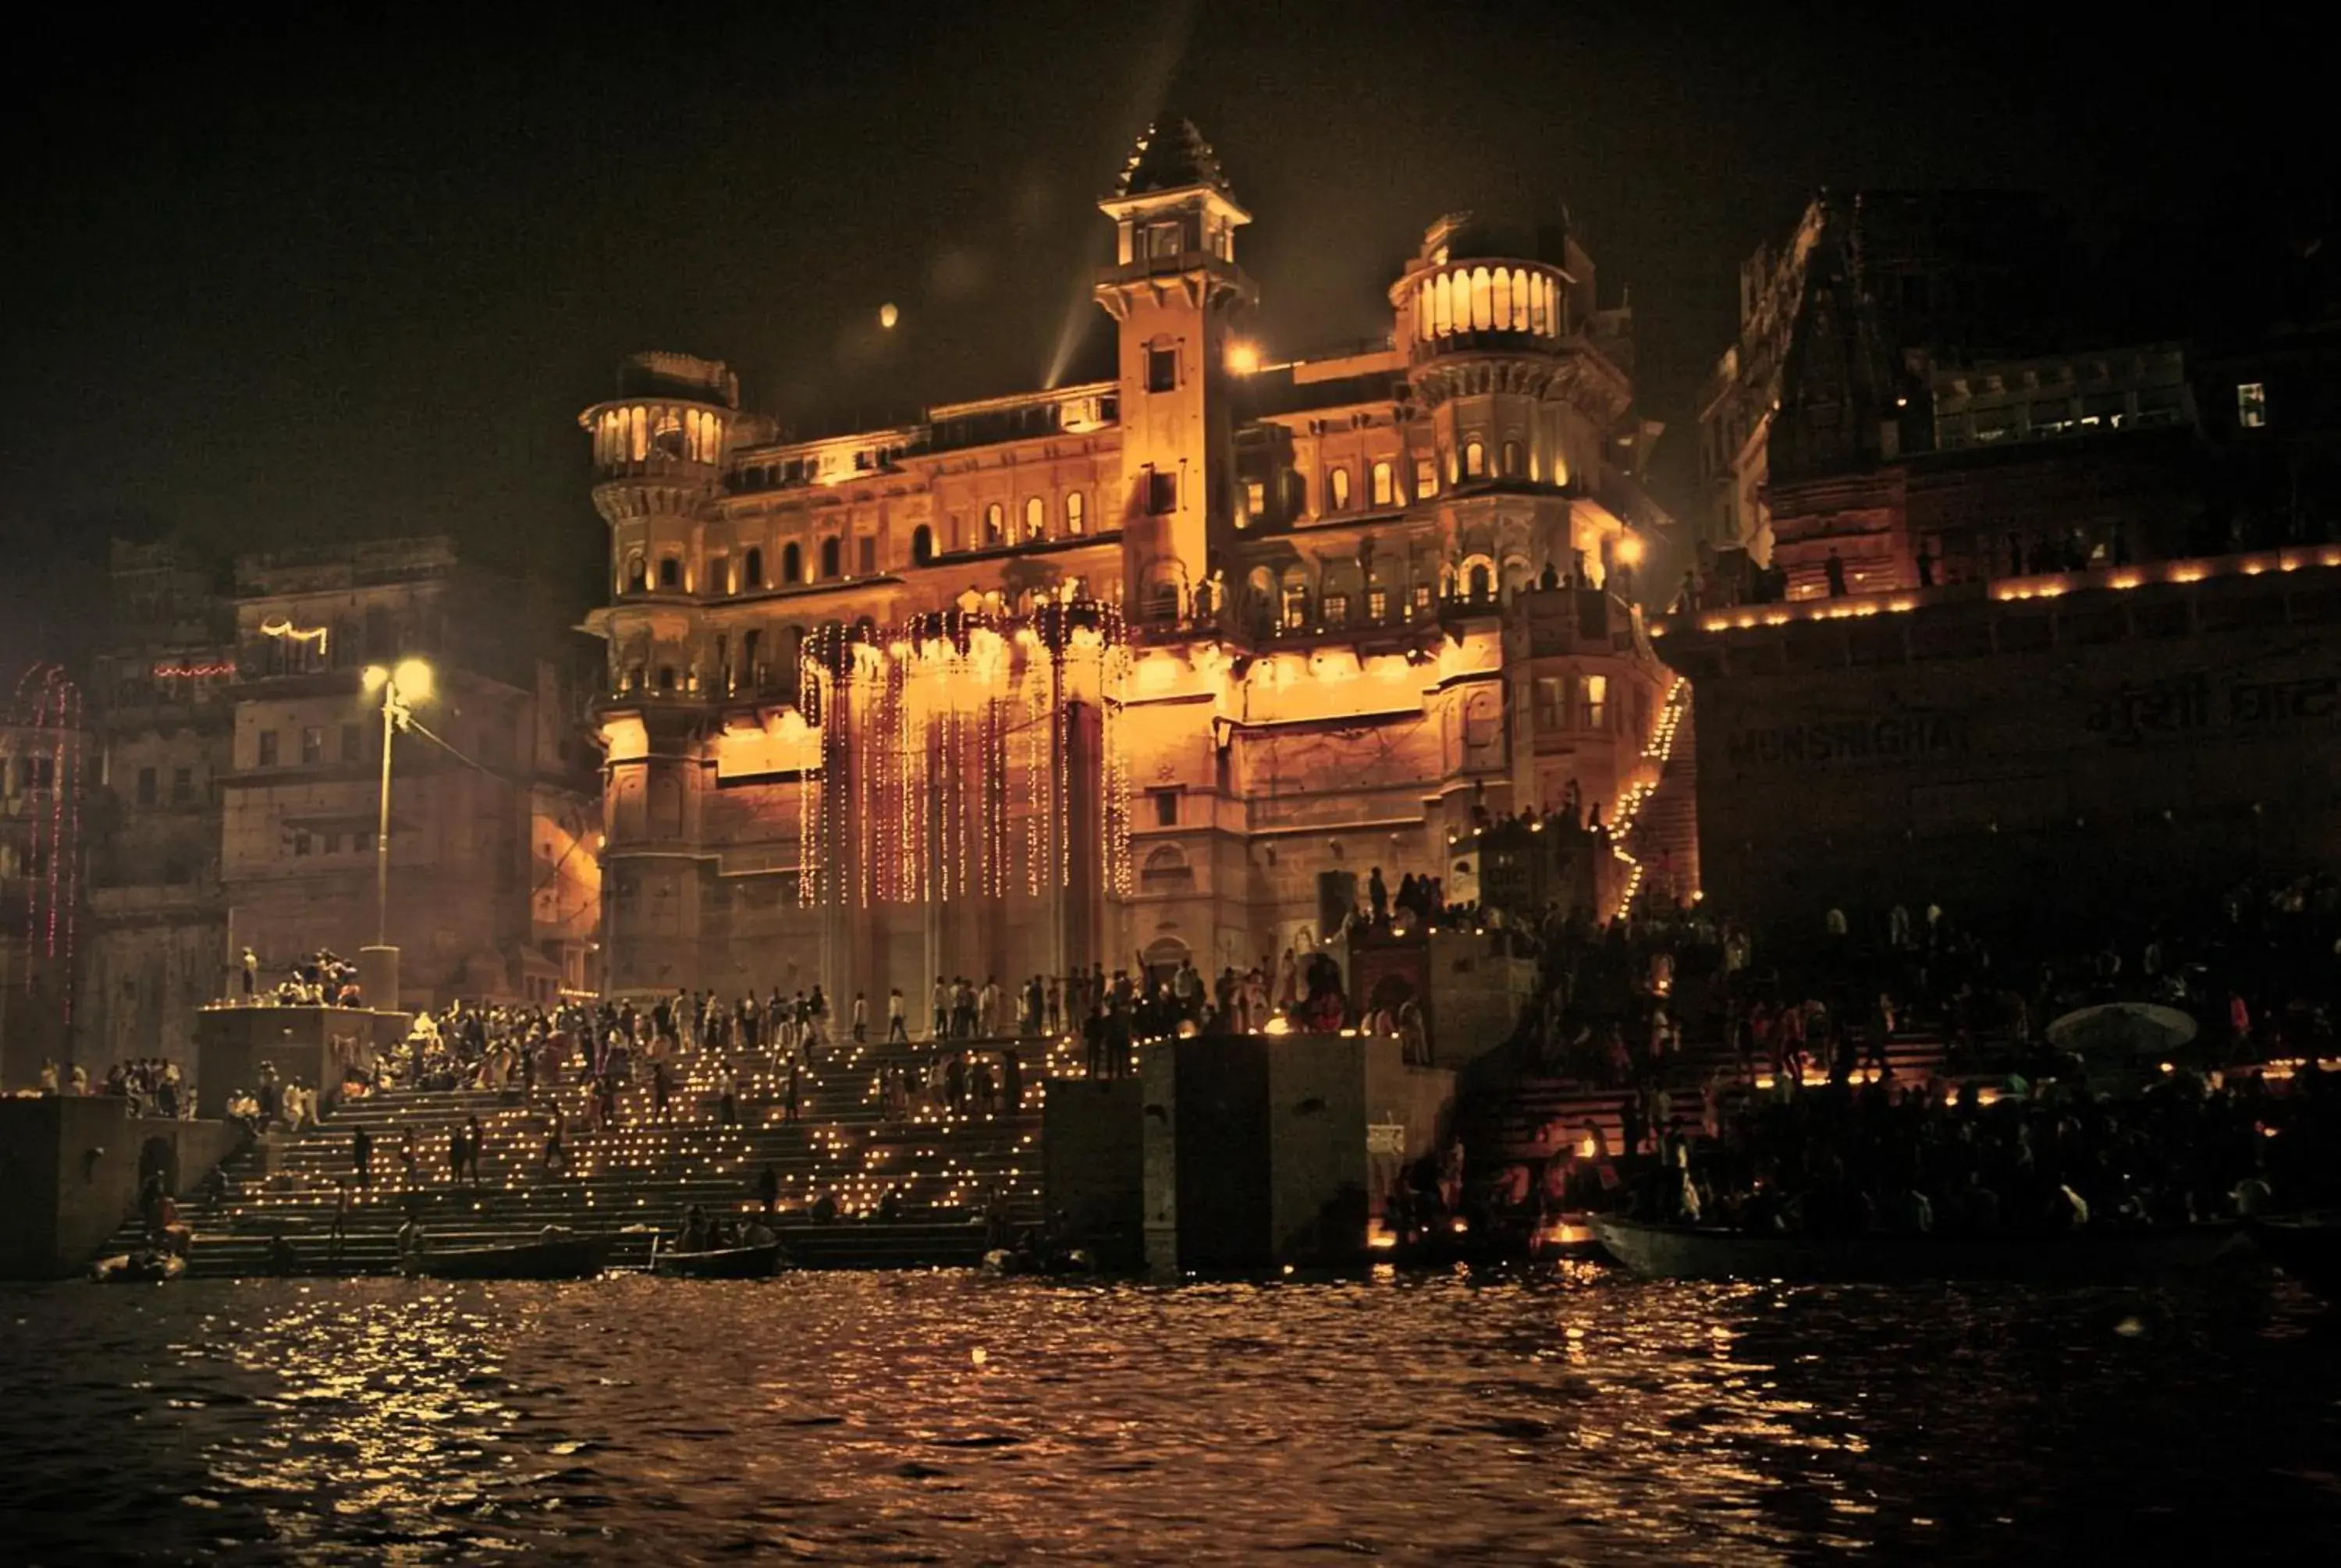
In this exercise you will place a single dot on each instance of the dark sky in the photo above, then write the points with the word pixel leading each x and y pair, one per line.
pixel 273 285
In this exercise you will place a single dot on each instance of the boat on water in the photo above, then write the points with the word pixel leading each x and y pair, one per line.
pixel 558 1257
pixel 722 1261
pixel 138 1268
pixel 2072 1258
pixel 1007 1262
pixel 2306 1247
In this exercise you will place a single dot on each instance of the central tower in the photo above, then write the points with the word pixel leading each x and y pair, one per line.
pixel 1173 291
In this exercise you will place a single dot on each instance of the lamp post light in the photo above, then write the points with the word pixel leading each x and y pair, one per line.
pixel 401 687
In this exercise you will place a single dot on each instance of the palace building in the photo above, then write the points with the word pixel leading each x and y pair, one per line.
pixel 1146 669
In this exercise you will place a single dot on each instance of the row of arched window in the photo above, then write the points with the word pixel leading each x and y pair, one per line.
pixel 1033 525
pixel 623 435
pixel 1489 298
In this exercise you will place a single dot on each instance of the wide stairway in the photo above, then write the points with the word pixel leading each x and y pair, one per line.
pixel 643 1172
pixel 1534 1117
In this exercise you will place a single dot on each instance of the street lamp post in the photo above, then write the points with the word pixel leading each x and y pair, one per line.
pixel 401 688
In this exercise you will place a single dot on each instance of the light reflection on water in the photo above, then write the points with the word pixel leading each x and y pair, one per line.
pixel 847 1417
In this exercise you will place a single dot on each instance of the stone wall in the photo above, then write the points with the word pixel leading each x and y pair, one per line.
pixel 1094 1165
pixel 73 1168
pixel 310 1045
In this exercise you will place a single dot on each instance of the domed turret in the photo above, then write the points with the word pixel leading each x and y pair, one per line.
pixel 658 460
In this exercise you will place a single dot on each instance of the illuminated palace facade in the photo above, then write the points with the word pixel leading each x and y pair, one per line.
pixel 1150 668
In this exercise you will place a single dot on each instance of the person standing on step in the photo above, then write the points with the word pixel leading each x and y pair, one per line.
pixel 940 1000
pixel 459 1153
pixel 860 1018
pixel 662 1089
pixel 896 1029
pixel 727 1094
pixel 475 1140
pixel 987 1006
pixel 788 1099
pixel 768 1188
pixel 1011 1081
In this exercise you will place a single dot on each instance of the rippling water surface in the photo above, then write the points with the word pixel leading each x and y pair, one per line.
pixel 941 1418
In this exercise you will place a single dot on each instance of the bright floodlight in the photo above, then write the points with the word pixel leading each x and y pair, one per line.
pixel 413 678
pixel 1244 357
pixel 375 676
pixel 1629 549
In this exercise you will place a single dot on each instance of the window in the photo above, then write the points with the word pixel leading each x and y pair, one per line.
pixel 1426 477
pixel 1385 486
pixel 749 645
pixel 669 572
pixel 313 745
pixel 1551 702
pixel 637 580
pixel 1077 511
pixel 146 786
pixel 1596 702
pixel 1513 459
pixel 831 563
pixel 352 742
pixel 1337 609
pixel 2251 404
pixel 183 786
pixel 792 564
pixel 1295 606
pixel 1166 808
pixel 1482 584
pixel 995 523
pixel 268 749
pixel 363 843
pixel 1255 498
pixel 332 843
pixel 1337 487
pixel 1162 493
pixel 1377 605
pixel 1418 600
pixel 1036 518
pixel 865 555
pixel 300 841
pixel 1475 460
pixel 1163 369
pixel 1162 240
pixel 752 571
pixel 922 545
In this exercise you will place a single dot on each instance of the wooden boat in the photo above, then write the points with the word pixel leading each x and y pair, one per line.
pixel 721 1262
pixel 1007 1264
pixel 2307 1247
pixel 559 1257
pixel 138 1268
pixel 2076 1257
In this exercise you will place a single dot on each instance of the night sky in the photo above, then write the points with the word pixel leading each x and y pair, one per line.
pixel 276 285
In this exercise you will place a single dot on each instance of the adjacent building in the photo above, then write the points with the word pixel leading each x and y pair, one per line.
pixel 44 803
pixel 2011 605
pixel 1149 670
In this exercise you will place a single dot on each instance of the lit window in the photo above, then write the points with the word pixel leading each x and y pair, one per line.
pixel 1338 484
pixel 1551 702
pixel 1162 240
pixel 1377 604
pixel 1295 606
pixel 1036 518
pixel 1162 370
pixel 1077 511
pixel 1425 476
pixel 1596 702
pixel 1475 460
pixel 1337 609
pixel 1384 485
pixel 1418 600
pixel 1511 460
pixel 2251 404
pixel 1255 498
pixel 995 523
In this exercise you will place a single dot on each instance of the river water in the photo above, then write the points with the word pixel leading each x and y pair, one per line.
pixel 1574 1417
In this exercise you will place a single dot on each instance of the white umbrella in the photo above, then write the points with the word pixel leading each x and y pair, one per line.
pixel 2122 1030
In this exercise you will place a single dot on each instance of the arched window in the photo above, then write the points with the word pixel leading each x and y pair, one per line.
pixel 1337 485
pixel 995 523
pixel 830 551
pixel 1036 518
pixel 1539 305
pixel 1166 868
pixel 1385 490
pixel 640 434
pixel 1443 305
pixel 1475 460
pixel 1426 319
pixel 792 564
pixel 1482 584
pixel 1077 511
pixel 752 572
pixel 637 574
pixel 1162 601
pixel 1511 460
pixel 1503 305
pixel 1483 301
pixel 922 545
pixel 670 572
